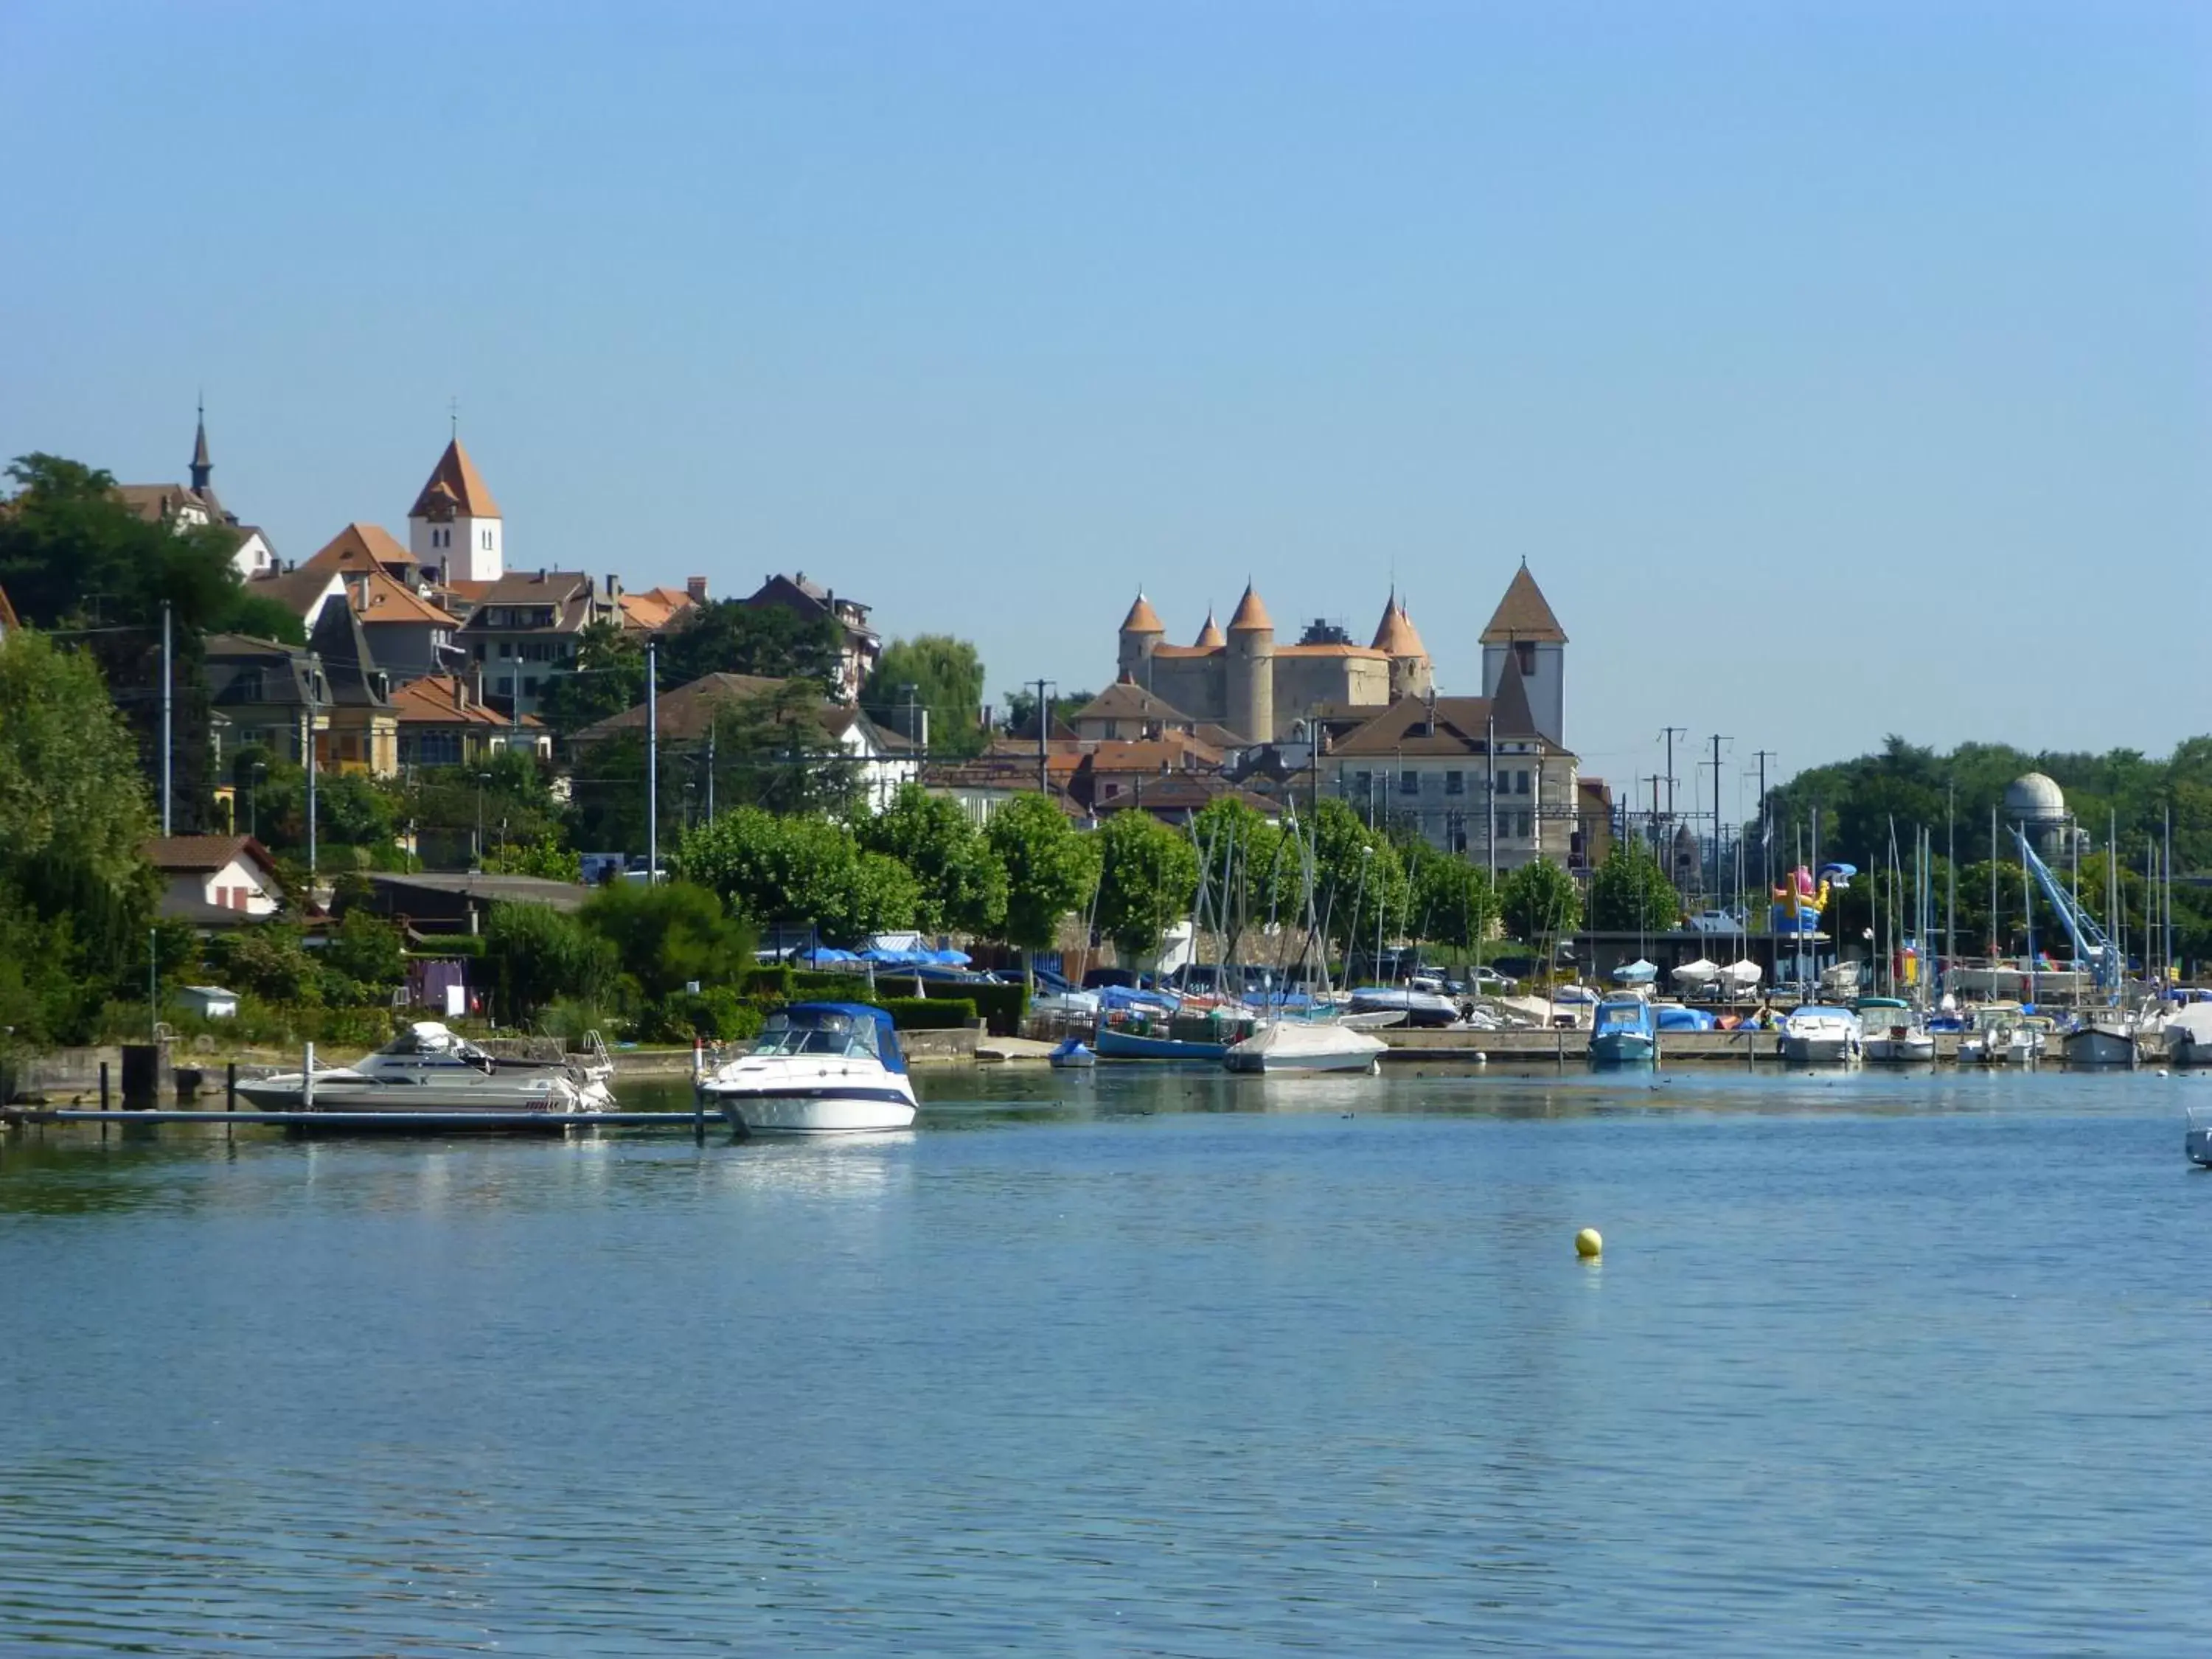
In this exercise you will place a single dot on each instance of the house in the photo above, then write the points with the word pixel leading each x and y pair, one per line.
pixel 523 630
pixel 183 506
pixel 274 695
pixel 217 880
pixel 367 547
pixel 411 636
pixel 1443 765
pixel 304 592
pixel 811 601
pixel 1176 797
pixel 1109 772
pixel 657 610
pixel 1125 710
pixel 444 721
pixel 429 904
pixel 883 760
pixel 209 1001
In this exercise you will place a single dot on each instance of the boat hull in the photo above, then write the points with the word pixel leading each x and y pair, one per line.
pixel 2189 1051
pixel 1918 1049
pixel 1819 1050
pixel 285 1094
pixel 825 1112
pixel 1623 1048
pixel 2094 1046
pixel 1124 1045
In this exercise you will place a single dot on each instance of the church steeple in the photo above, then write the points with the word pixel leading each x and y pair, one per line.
pixel 202 468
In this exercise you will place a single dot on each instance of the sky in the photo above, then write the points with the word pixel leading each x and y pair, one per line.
pixel 1837 369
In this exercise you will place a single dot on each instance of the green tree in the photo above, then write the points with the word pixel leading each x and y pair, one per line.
pixel 1050 871
pixel 366 955
pixel 1359 877
pixel 1022 708
pixel 538 954
pixel 1630 892
pixel 667 935
pixel 608 678
pixel 946 679
pixel 545 858
pixel 728 636
pixel 1148 875
pixel 800 872
pixel 1539 902
pixel 1452 902
pixel 963 886
pixel 775 750
pixel 1254 872
pixel 70 787
pixel 270 960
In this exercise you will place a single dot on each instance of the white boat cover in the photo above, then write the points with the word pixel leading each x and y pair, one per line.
pixel 1304 1041
pixel 1638 972
pixel 1742 974
pixel 2193 1021
pixel 1700 972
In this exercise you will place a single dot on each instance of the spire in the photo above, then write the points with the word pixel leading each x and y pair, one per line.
pixel 1523 614
pixel 1209 637
pixel 1394 635
pixel 202 468
pixel 1251 615
pixel 455 486
pixel 1142 618
pixel 1510 706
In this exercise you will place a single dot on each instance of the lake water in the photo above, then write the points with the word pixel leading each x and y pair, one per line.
pixel 1141 1363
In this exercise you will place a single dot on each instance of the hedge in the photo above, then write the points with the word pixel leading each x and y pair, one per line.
pixel 928 1013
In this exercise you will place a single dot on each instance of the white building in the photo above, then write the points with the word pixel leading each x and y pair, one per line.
pixel 454 528
pixel 214 879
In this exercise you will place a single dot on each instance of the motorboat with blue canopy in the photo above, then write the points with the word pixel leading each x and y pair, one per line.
pixel 817 1068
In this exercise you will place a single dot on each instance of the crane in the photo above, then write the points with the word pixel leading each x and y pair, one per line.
pixel 2090 943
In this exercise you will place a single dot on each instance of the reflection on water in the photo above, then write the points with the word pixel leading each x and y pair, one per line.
pixel 1142 1362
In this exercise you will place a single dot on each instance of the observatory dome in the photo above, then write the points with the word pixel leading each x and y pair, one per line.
pixel 2034 798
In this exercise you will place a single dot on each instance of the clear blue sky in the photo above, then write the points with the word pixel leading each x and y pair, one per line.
pixel 1837 368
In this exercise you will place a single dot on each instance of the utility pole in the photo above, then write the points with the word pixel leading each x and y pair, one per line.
pixel 314 704
pixel 1715 763
pixel 1671 732
pixel 652 761
pixel 168 678
pixel 1652 820
pixel 1044 732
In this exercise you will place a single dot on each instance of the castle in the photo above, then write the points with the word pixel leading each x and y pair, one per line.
pixel 1260 691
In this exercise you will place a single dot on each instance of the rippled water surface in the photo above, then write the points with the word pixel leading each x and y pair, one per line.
pixel 1139 1364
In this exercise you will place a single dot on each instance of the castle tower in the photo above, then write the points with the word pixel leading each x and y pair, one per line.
pixel 1209 637
pixel 454 526
pixel 1141 630
pixel 1412 674
pixel 202 468
pixel 1251 670
pixel 1524 629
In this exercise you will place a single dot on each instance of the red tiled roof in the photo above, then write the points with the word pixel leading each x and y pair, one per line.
pixel 1142 618
pixel 189 854
pixel 1250 613
pixel 455 484
pixel 1523 614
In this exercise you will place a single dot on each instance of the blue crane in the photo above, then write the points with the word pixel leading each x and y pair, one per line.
pixel 2090 943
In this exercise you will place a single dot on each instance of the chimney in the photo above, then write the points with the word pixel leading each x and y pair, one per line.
pixel 541 573
pixel 476 686
pixel 696 587
pixel 613 587
pixel 460 694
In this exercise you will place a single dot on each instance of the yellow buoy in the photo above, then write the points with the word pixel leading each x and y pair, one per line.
pixel 1589 1245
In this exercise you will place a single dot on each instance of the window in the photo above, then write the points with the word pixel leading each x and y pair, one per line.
pixel 1455 783
pixel 1520 783
pixel 486 541
pixel 507 648
pixel 1409 783
pixel 1527 653
pixel 1528 824
pixel 1112 790
pixel 530 686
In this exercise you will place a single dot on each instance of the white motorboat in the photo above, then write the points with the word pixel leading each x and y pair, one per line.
pixel 2196 1137
pixel 1293 1045
pixel 1817 1034
pixel 1419 1007
pixel 2103 1039
pixel 2188 1035
pixel 1895 1036
pixel 430 1068
pixel 817 1068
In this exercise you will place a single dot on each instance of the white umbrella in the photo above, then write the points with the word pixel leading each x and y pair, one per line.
pixel 1700 972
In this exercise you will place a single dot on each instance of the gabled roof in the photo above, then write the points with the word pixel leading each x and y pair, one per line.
pixel 1394 635
pixel 1404 728
pixel 1251 615
pixel 650 610
pixel 377 598
pixel 1125 700
pixel 446 699
pixel 1523 614
pixel 455 485
pixel 186 856
pixel 360 547
pixel 157 503
pixel 303 591
pixel 1142 618
pixel 687 711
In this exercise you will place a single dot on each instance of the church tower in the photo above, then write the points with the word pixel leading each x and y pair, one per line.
pixel 1523 629
pixel 454 526
pixel 202 468
pixel 1251 670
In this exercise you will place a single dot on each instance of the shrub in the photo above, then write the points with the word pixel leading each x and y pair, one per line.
pixel 538 953
pixel 928 1013
pixel 718 1016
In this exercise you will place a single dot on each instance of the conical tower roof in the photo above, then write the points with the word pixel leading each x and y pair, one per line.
pixel 1523 614
pixel 1142 618
pixel 1394 635
pixel 455 485
pixel 1251 615
pixel 1509 706
pixel 1209 637
pixel 200 461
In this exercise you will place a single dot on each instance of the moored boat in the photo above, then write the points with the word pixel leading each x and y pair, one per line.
pixel 2188 1035
pixel 1819 1035
pixel 817 1068
pixel 1623 1031
pixel 1895 1034
pixel 430 1068
pixel 1419 1007
pixel 1293 1045
pixel 2102 1039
